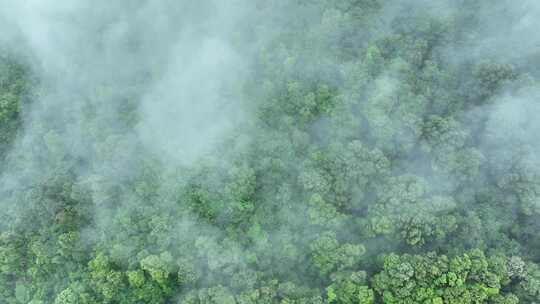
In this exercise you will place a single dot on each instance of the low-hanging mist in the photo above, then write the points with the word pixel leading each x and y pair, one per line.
pixel 291 152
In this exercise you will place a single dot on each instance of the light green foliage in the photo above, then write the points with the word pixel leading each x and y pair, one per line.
pixel 74 294
pixel 105 280
pixel 187 272
pixel 350 288
pixel 159 267
pixel 406 207
pixel 329 255
pixel 136 278
pixel 462 279
pixel 350 152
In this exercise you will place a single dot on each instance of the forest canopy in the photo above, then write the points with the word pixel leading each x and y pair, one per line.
pixel 270 152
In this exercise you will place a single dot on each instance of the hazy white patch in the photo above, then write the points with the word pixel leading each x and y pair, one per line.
pixel 187 112
pixel 173 61
pixel 513 130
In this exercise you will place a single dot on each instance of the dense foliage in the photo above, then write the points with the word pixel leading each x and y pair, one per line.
pixel 382 161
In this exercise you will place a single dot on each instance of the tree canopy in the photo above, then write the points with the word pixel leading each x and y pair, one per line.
pixel 270 152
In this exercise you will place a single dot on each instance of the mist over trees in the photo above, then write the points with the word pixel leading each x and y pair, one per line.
pixel 261 152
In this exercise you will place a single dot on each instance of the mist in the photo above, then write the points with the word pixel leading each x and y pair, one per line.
pixel 269 152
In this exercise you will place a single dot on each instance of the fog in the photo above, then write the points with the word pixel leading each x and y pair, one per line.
pixel 248 151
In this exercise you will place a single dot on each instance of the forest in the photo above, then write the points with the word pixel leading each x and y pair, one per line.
pixel 270 152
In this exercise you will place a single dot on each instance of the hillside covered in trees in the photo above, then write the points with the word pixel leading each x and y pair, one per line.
pixel 270 152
